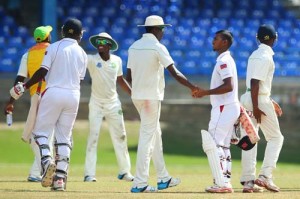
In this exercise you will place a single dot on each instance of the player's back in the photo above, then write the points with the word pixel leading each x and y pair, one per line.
pixel 66 62
pixel 146 69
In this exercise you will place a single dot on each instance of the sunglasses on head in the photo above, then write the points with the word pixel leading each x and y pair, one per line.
pixel 102 42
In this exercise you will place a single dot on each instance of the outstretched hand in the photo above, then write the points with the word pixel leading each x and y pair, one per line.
pixel 198 92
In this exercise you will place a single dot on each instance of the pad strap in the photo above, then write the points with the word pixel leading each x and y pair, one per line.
pixel 63 144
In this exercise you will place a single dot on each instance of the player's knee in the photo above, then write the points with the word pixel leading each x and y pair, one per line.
pixel 281 139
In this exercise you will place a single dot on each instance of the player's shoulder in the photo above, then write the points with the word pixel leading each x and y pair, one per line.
pixel 224 58
pixel 259 54
pixel 25 55
pixel 136 44
pixel 93 56
pixel 114 57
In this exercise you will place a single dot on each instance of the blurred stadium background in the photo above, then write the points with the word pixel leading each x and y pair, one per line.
pixel 189 40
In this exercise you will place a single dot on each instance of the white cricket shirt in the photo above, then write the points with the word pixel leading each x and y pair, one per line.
pixel 261 67
pixel 104 77
pixel 224 68
pixel 147 59
pixel 66 63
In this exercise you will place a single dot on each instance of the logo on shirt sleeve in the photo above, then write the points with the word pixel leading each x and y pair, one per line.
pixel 46 52
pixel 223 66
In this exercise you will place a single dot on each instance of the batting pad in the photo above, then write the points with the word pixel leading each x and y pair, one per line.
pixel 210 148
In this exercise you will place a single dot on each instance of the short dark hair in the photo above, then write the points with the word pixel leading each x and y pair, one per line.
pixel 226 35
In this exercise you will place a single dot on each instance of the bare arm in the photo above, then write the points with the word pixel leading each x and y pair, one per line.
pixel 19 79
pixel 128 76
pixel 254 96
pixel 181 78
pixel 37 76
pixel 224 88
pixel 124 84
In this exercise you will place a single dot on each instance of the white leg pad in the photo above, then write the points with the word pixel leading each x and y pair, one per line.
pixel 210 148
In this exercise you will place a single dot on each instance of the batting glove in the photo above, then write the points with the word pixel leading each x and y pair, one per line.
pixel 17 91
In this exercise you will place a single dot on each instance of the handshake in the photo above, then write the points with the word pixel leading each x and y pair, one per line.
pixel 17 91
pixel 199 92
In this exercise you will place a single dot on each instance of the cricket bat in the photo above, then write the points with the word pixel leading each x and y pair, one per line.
pixel 247 125
pixel 30 122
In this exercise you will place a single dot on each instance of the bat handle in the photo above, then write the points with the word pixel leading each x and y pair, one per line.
pixel 9 118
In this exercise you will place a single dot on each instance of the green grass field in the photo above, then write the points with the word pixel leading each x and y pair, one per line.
pixel 183 154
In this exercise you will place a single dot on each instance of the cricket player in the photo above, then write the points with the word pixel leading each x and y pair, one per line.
pixel 106 71
pixel 64 66
pixel 225 112
pixel 147 59
pixel 260 71
pixel 30 63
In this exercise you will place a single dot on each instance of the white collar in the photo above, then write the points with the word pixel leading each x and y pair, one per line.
pixel 150 36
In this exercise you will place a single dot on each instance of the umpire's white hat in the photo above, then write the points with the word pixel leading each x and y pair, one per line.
pixel 154 20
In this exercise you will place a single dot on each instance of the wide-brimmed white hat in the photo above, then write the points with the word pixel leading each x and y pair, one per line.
pixel 104 35
pixel 154 20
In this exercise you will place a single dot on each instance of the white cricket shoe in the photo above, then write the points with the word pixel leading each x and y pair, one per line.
pixel 89 179
pixel 250 187
pixel 126 176
pixel 146 189
pixel 172 182
pixel 32 178
pixel 217 189
pixel 58 184
pixel 48 172
pixel 267 183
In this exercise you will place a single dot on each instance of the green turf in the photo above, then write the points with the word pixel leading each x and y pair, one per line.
pixel 183 154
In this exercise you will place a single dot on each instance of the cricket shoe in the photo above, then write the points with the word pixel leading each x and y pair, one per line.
pixel 34 179
pixel 218 189
pixel 267 183
pixel 49 168
pixel 172 182
pixel 58 184
pixel 89 179
pixel 250 187
pixel 146 189
pixel 126 176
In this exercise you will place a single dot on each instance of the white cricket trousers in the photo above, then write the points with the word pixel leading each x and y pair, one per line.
pixel 57 112
pixel 220 127
pixel 150 143
pixel 221 123
pixel 271 130
pixel 114 117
